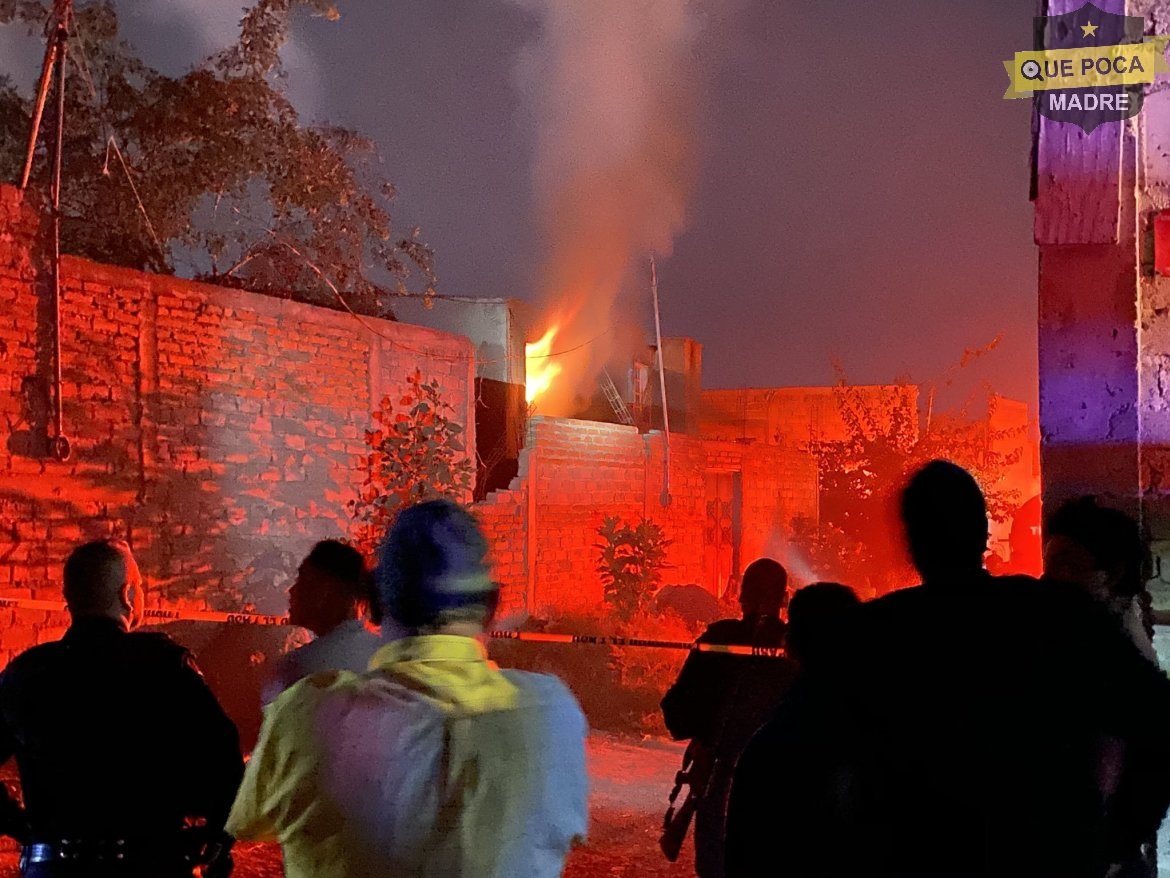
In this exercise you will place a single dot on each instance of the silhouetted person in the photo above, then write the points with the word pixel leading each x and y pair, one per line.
pixel 780 802
pixel 816 622
pixel 118 740
pixel 434 762
pixel 327 597
pixel 719 701
pixel 1102 550
pixel 692 705
pixel 967 715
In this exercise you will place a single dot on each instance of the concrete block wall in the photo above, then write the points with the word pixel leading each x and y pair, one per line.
pixel 545 544
pixel 220 431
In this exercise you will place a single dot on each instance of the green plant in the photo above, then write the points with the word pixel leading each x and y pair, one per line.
pixel 631 563
pixel 416 454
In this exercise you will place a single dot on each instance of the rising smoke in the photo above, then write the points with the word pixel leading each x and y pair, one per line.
pixel 613 87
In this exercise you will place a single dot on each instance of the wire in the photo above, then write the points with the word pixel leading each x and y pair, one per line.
pixel 276 236
pixel 578 347
pixel 82 62
pixel 312 266
pixel 141 207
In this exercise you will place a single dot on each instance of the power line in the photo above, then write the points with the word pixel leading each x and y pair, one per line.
pixel 82 63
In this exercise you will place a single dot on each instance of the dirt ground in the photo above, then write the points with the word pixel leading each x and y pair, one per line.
pixel 629 783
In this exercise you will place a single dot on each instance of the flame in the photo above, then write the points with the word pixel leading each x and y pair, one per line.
pixel 540 369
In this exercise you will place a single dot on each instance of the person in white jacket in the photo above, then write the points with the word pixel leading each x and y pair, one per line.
pixel 328 597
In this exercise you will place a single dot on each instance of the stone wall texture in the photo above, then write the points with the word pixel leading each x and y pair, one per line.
pixel 219 431
pixel 575 473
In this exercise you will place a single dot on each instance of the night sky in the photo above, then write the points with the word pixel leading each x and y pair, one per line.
pixel 861 188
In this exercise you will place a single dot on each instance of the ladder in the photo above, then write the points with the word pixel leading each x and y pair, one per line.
pixel 615 399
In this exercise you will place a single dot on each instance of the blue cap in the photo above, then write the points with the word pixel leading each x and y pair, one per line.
pixel 434 558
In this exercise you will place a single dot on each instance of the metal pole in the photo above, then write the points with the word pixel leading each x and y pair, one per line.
pixel 662 386
pixel 60 444
pixel 39 107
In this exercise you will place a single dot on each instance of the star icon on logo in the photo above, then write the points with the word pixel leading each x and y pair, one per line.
pixel 1090 29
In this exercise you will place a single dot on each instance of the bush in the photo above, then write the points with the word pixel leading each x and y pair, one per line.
pixel 631 563
pixel 416 454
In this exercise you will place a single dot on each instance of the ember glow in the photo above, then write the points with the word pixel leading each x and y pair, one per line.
pixel 540 368
pixel 613 88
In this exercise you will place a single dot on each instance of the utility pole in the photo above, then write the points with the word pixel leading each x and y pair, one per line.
pixel 56 52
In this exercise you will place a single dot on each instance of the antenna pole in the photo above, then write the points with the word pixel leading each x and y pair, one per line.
pixel 662 387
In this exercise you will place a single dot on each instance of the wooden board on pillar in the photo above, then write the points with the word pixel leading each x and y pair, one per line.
pixel 1078 175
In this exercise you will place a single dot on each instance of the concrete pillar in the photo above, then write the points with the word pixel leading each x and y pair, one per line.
pixel 1104 317
pixel 1088 345
pixel 1085 222
pixel 1154 341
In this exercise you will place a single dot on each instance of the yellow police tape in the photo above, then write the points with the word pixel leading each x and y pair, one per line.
pixel 161 615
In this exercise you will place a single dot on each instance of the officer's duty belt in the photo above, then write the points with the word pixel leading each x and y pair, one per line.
pixel 113 851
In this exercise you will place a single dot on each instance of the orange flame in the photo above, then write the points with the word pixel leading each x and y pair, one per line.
pixel 540 369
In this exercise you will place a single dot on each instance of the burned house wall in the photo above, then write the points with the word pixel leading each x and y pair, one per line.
pixel 498 330
pixel 579 472
pixel 219 431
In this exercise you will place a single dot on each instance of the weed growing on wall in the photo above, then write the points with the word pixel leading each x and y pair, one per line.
pixel 416 454
pixel 632 559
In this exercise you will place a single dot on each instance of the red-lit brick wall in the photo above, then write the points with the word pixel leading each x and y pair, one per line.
pixel 584 471
pixel 220 431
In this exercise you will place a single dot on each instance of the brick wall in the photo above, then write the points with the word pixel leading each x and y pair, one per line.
pixel 504 519
pixel 219 431
pixel 790 416
pixel 583 471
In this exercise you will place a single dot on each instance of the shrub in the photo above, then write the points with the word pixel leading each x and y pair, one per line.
pixel 416 454
pixel 631 563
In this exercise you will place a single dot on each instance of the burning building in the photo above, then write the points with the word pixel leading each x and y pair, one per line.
pixel 504 385
pixel 722 502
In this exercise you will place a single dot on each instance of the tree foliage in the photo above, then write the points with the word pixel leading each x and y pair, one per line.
pixel 858 538
pixel 416 454
pixel 212 173
pixel 631 563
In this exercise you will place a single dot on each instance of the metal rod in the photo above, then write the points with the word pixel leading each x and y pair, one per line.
pixel 39 107
pixel 662 386
pixel 61 37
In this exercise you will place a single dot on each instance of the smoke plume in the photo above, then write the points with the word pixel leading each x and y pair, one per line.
pixel 612 85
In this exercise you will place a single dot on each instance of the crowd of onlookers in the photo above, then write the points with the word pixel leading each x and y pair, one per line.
pixel 971 725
